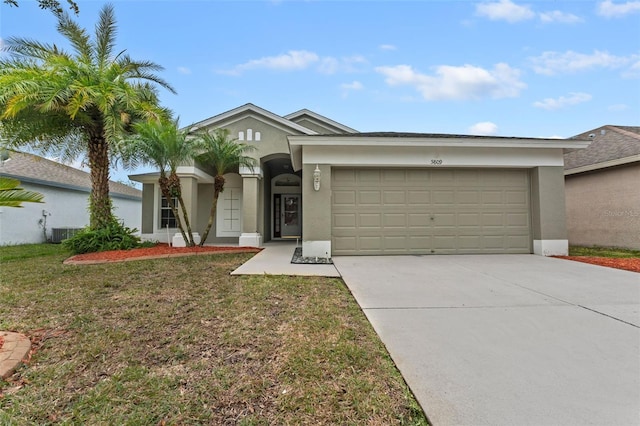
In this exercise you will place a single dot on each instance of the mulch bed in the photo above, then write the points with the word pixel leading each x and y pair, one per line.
pixel 159 250
pixel 627 263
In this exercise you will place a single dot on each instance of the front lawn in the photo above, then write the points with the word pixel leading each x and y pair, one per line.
pixel 180 341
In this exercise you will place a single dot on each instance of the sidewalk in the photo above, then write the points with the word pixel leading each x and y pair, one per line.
pixel 275 259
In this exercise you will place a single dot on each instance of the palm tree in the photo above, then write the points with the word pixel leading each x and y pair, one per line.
pixel 77 103
pixel 13 196
pixel 224 154
pixel 160 143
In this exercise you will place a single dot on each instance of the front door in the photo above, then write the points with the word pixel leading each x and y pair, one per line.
pixel 290 218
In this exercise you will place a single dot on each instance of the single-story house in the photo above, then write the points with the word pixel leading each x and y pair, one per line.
pixel 66 200
pixel 341 192
pixel 602 186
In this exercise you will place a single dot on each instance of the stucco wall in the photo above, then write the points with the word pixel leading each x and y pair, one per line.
pixel 603 207
pixel 64 209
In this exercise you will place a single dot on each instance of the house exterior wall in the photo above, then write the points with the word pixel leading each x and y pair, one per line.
pixel 64 208
pixel 548 211
pixel 272 140
pixel 603 207
pixel 316 212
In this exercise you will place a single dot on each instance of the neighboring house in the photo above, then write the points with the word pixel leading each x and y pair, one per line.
pixel 347 193
pixel 66 200
pixel 602 185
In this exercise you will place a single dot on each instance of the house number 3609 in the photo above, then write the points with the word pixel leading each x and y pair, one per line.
pixel 436 162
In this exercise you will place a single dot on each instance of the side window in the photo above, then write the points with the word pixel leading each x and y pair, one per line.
pixel 167 219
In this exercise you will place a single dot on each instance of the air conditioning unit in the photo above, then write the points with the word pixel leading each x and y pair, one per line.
pixel 59 234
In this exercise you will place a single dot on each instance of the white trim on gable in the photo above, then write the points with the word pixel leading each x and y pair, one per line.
pixel 253 111
pixel 321 119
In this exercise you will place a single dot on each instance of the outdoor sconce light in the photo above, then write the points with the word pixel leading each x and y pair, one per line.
pixel 316 178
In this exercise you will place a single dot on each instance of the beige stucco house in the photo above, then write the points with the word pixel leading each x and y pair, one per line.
pixel 602 185
pixel 341 192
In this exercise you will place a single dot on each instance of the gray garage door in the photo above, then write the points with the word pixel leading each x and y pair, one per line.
pixel 430 211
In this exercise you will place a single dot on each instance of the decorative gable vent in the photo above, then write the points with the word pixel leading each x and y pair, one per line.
pixel 250 135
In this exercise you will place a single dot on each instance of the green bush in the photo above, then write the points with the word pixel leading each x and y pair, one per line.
pixel 115 236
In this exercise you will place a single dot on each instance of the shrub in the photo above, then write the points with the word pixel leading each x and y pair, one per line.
pixel 115 236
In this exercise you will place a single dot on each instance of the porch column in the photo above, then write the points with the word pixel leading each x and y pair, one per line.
pixel 250 236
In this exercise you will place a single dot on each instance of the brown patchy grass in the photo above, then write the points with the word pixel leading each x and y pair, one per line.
pixel 179 341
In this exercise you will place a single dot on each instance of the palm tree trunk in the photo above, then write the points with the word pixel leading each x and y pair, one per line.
pixel 100 208
pixel 174 183
pixel 218 187
pixel 164 188
pixel 187 223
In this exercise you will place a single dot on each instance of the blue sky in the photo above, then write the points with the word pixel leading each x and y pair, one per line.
pixel 506 68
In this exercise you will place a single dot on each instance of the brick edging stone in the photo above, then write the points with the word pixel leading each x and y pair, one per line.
pixel 14 351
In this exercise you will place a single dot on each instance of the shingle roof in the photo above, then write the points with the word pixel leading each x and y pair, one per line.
pixel 32 168
pixel 608 143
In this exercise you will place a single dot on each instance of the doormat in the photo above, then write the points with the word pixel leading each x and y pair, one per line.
pixel 297 258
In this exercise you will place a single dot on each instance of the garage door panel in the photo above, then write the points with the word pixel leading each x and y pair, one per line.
pixel 394 197
pixel 467 197
pixel 446 197
pixel 422 211
pixel 395 220
pixel 517 198
pixel 369 197
pixel 418 198
pixel 346 198
pixel 370 220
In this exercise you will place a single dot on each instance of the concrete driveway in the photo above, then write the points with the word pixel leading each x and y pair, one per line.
pixel 507 339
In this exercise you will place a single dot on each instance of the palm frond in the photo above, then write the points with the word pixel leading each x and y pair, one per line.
pixel 11 195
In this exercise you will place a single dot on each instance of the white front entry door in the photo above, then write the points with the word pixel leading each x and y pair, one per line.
pixel 290 215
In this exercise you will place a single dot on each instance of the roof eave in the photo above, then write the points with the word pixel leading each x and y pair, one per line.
pixel 603 165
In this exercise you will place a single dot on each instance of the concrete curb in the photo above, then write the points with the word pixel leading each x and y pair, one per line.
pixel 15 349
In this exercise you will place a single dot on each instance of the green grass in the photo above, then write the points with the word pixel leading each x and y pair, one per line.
pixel 603 252
pixel 180 342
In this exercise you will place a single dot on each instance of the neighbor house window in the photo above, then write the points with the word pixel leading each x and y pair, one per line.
pixel 167 218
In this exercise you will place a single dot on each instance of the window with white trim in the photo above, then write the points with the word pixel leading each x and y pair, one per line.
pixel 167 218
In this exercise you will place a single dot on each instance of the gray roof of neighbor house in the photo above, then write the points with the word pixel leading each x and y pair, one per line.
pixel 610 146
pixel 34 169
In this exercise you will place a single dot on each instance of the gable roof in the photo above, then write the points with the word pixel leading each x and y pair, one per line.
pixel 39 170
pixel 610 146
pixel 254 111
pixel 320 120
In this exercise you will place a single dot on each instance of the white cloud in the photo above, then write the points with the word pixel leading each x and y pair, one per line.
pixel 350 87
pixel 291 61
pixel 563 101
pixel 558 16
pixel 184 70
pixel 463 82
pixel 618 107
pixel 387 47
pixel 551 63
pixel 331 65
pixel 505 10
pixel 610 9
pixel 355 85
pixel 484 128
pixel 297 60
pixel 2 43
pixel 634 69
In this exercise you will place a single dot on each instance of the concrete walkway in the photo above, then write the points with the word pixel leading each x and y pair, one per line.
pixel 275 259
pixel 507 339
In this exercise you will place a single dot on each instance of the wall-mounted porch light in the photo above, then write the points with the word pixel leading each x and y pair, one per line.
pixel 316 178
